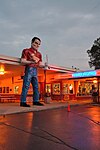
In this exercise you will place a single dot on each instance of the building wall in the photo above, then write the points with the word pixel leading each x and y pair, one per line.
pixel 6 86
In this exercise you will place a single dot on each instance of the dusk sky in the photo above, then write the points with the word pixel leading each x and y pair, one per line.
pixel 67 29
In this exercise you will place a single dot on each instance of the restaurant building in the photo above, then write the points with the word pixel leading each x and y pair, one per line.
pixel 55 83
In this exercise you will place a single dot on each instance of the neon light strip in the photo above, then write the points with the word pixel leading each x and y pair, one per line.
pixel 84 74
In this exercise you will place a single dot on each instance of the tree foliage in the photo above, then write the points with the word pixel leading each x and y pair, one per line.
pixel 94 55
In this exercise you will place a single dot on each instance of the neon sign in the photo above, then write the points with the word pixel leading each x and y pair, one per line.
pixel 84 74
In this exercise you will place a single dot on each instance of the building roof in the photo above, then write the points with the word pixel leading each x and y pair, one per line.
pixel 13 64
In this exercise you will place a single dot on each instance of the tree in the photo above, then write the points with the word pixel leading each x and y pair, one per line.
pixel 94 54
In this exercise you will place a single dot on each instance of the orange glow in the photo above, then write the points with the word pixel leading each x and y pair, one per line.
pixel 2 71
pixel 70 87
pixel 94 81
pixel 61 76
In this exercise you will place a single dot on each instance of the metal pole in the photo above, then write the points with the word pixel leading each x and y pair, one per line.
pixel 46 66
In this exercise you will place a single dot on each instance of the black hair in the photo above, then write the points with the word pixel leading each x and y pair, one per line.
pixel 35 39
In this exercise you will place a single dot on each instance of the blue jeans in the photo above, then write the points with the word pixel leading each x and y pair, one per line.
pixel 30 77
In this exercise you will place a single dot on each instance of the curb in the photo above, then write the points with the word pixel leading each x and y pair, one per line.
pixel 35 109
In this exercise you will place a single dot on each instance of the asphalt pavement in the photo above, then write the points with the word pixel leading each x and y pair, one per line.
pixel 53 129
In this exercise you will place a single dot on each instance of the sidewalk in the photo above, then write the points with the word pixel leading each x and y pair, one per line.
pixel 13 108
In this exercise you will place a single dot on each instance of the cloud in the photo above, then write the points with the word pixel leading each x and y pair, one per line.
pixel 67 28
